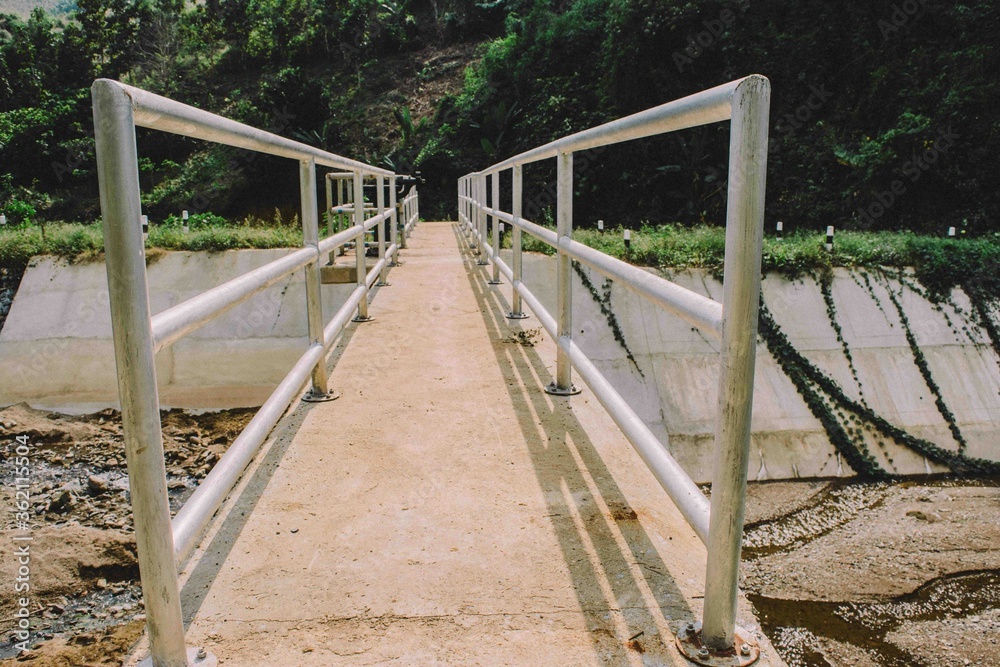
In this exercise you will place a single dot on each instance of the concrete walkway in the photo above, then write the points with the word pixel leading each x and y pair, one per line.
pixel 446 511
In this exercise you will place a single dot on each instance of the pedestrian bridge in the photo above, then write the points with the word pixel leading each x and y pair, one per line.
pixel 433 486
pixel 445 510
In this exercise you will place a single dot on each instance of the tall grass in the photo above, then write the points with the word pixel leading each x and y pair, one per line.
pixel 78 242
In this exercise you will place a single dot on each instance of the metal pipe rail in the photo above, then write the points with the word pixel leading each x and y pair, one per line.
pixel 689 499
pixel 163 544
pixel 719 523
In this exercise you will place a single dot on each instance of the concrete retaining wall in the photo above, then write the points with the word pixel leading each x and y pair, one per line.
pixel 673 384
pixel 56 349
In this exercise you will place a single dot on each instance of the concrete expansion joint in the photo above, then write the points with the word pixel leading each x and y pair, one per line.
pixel 390 618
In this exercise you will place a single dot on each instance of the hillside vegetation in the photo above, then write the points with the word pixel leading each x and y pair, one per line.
pixel 882 112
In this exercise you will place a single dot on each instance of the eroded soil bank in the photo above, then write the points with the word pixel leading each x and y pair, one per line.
pixel 877 574
pixel 85 599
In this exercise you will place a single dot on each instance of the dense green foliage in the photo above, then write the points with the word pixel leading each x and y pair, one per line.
pixel 882 111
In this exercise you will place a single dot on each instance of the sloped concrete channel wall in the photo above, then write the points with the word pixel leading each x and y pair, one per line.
pixel 55 351
pixel 672 377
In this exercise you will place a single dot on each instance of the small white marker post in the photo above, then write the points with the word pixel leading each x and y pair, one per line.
pixel 3 219
pixel 951 231
pixel 600 225
pixel 829 238
pixel 780 226
pixel 184 222
pixel 628 240
pixel 145 227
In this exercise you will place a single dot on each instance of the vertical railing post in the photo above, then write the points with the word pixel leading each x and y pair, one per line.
pixel 405 212
pixel 480 202
pixel 517 207
pixel 380 205
pixel 359 246
pixel 464 206
pixel 563 384
pixel 495 204
pixel 741 302
pixel 468 208
pixel 328 188
pixel 473 214
pixel 393 222
pixel 314 301
pixel 118 178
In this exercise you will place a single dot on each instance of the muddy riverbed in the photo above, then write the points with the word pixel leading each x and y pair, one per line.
pixel 85 601
pixel 877 574
pixel 842 573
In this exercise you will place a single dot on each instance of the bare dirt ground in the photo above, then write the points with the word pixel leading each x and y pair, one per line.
pixel 86 604
pixel 877 574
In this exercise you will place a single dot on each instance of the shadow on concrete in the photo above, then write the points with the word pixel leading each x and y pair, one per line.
pixel 599 533
pixel 210 562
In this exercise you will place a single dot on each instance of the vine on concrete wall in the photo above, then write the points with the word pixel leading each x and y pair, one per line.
pixel 822 394
pixel 981 307
pixel 938 299
pixel 603 301
pixel 925 371
pixel 825 284
pixel 808 381
pixel 874 296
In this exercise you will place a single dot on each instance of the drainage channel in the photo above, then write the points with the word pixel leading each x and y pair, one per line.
pixel 883 574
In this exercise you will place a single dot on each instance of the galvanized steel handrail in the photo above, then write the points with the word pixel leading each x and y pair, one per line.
pixel 164 544
pixel 745 103
pixel 709 106
pixel 161 113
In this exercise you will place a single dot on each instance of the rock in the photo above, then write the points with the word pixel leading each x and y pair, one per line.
pixel 62 502
pixel 929 517
pixel 97 485
pixel 111 463
pixel 102 583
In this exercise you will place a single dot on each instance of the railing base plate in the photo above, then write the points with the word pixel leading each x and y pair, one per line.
pixel 744 652
pixel 494 282
pixel 361 320
pixel 311 397
pixel 207 659
pixel 556 390
pixel 517 316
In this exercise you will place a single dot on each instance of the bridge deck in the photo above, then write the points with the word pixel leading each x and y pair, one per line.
pixel 445 510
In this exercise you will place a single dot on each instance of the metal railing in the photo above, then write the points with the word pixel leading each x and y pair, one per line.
pixel 718 523
pixel 163 544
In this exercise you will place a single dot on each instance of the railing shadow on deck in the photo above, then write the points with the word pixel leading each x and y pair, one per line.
pixel 205 566
pixel 623 620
